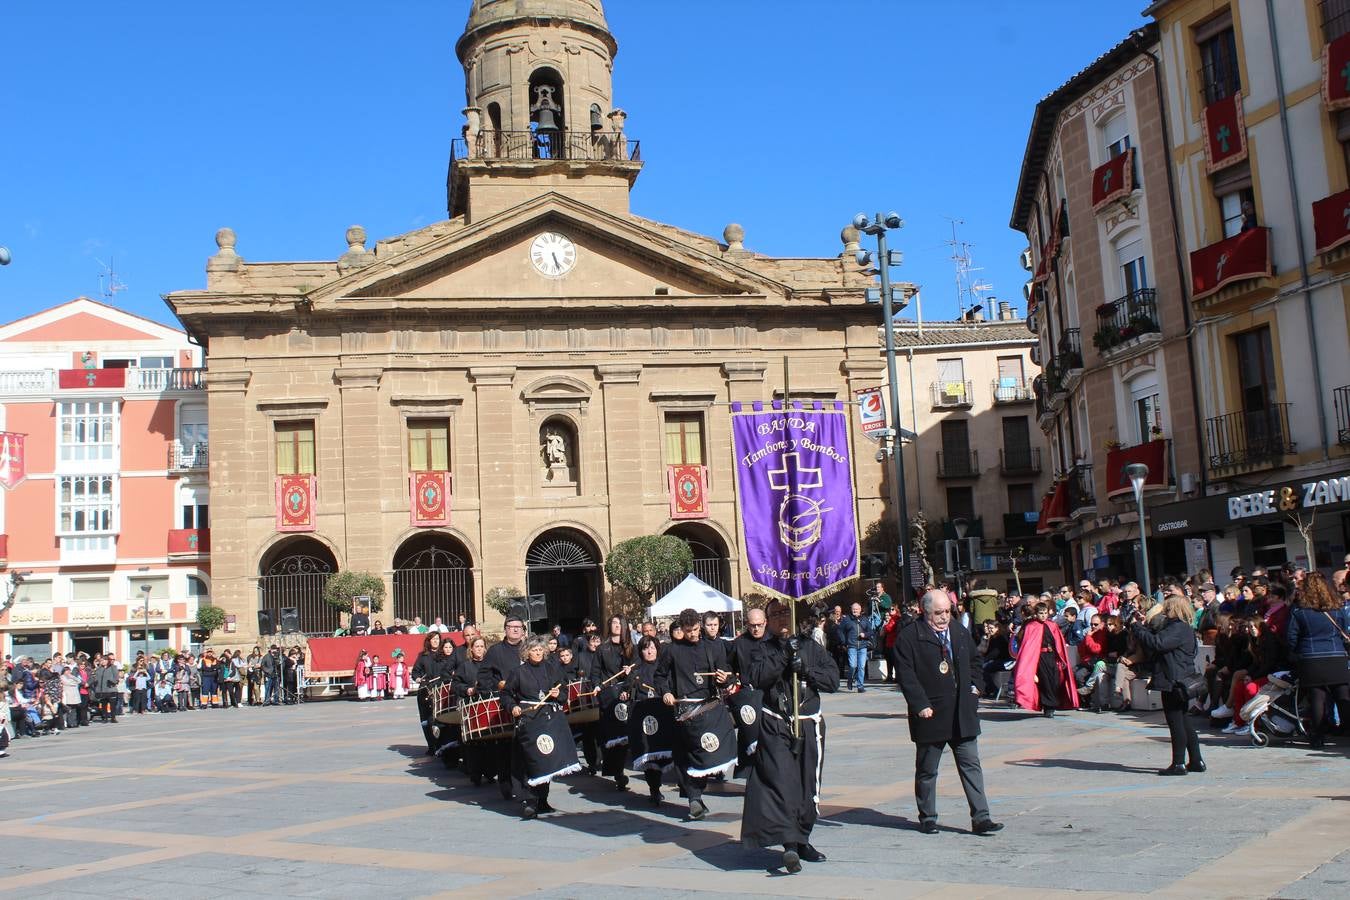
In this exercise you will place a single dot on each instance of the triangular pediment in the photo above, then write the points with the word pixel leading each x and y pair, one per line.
pixel 615 257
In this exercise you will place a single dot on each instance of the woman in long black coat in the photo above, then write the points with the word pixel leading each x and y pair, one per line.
pixel 1170 639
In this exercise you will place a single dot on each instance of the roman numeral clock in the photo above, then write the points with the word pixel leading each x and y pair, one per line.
pixel 553 255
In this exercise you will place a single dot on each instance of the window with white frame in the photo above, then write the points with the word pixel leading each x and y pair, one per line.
pixel 192 430
pixel 1133 266
pixel 33 592
pixel 88 430
pixel 156 362
pixel 1146 408
pixel 194 510
pixel 87 504
pixel 1116 135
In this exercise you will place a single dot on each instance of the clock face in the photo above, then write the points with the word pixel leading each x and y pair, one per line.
pixel 553 255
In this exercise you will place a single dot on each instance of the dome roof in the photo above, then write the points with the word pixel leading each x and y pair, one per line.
pixel 488 14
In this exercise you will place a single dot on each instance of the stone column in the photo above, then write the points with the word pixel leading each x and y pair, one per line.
pixel 233 472
pixel 362 472
pixel 623 428
pixel 494 410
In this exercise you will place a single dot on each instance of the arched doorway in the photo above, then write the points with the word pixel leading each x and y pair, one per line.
pixel 712 565
pixel 293 574
pixel 564 565
pixel 433 577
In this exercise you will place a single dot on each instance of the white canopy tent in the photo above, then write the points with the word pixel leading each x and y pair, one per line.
pixel 696 595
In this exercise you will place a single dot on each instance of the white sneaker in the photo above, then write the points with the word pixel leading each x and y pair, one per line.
pixel 1221 712
pixel 4 753
pixel 1234 728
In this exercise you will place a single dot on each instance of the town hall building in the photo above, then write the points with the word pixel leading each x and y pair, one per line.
pixel 498 399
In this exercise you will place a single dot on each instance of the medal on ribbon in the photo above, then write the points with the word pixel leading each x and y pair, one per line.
pixel 943 667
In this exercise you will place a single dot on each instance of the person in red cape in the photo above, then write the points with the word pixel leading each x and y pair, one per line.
pixel 1042 676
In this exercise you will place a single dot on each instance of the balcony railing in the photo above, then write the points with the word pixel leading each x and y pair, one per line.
pixel 1079 490
pixel 950 394
pixel 1019 460
pixel 1342 397
pixel 168 380
pixel 1130 317
pixel 28 381
pixel 1012 390
pixel 1251 437
pixel 1070 356
pixel 184 457
pixel 958 465
pixel 548 145
pixel 44 381
pixel 1017 526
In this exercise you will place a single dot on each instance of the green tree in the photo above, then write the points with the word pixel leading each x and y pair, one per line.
pixel 641 564
pixel 501 598
pixel 344 587
pixel 210 618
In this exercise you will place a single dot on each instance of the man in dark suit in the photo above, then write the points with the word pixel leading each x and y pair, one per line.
pixel 939 679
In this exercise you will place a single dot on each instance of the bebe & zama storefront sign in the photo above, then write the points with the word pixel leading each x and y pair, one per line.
pixel 1254 507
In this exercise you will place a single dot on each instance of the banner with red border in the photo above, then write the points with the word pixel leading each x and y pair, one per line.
pixel 688 486
pixel 1112 180
pixel 1331 221
pixel 1225 131
pixel 1244 255
pixel 13 459
pixel 1336 73
pixel 295 502
pixel 430 493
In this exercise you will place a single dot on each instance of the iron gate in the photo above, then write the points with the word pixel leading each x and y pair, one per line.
pixel 298 581
pixel 432 583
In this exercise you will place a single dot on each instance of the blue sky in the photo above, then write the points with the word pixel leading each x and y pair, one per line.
pixel 133 131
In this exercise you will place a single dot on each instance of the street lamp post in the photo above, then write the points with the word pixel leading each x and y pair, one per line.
pixel 145 607
pixel 1137 473
pixel 962 527
pixel 877 227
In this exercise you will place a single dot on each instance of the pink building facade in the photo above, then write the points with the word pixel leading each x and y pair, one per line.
pixel 104 505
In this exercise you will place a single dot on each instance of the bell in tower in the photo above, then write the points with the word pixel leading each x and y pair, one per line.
pixel 537 80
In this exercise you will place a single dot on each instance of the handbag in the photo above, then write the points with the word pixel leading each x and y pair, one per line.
pixel 1193 685
pixel 1345 638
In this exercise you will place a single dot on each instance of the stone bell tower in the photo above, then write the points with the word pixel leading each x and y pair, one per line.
pixel 540 114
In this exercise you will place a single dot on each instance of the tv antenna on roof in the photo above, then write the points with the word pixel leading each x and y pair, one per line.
pixel 970 291
pixel 109 285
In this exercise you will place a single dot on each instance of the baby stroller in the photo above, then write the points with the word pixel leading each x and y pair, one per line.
pixel 1273 714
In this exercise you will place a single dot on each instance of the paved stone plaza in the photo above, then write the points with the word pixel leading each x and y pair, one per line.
pixel 332 799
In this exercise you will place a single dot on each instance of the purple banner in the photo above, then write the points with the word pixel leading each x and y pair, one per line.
pixel 795 481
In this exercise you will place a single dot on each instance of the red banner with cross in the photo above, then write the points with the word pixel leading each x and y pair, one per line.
pixel 1242 256
pixel 1225 132
pixel 688 491
pixel 13 461
pixel 430 493
pixel 1336 73
pixel 71 379
pixel 1151 453
pixel 1112 180
pixel 1331 221
pixel 295 503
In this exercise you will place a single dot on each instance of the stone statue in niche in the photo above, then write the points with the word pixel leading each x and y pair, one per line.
pixel 554 448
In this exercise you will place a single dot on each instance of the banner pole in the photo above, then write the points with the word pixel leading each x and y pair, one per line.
pixel 792 603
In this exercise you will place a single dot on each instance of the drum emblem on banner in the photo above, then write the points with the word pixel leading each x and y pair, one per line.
pixel 545 744
pixel 621 712
pixel 650 725
pixel 709 742
pixel 748 714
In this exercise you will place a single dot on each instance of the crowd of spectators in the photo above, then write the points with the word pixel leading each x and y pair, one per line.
pixel 40 698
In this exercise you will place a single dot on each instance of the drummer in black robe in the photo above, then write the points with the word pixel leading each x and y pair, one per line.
pixel 613 661
pixel 584 668
pixel 426 672
pixel 448 741
pixel 687 675
pixel 639 690
pixel 746 702
pixel 502 659
pixel 783 791
pixel 473 680
pixel 537 683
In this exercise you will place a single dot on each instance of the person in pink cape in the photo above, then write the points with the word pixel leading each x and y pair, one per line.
pixel 379 678
pixel 361 676
pixel 400 676
pixel 1042 676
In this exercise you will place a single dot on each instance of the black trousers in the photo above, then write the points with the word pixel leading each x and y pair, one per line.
pixel 1317 705
pixel 1185 742
pixel 926 760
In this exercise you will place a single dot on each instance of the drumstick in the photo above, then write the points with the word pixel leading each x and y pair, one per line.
pixel 611 678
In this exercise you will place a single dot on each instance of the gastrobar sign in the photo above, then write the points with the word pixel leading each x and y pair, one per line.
pixel 1251 507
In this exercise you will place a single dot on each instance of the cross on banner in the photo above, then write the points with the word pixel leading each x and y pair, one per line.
pixel 1223 135
pixel 1106 181
pixel 1345 73
pixel 783 483
pixel 1218 271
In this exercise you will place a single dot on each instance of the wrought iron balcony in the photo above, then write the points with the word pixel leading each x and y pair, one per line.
pixel 953 394
pixel 1130 317
pixel 183 457
pixel 548 145
pixel 1342 397
pixel 958 465
pixel 1017 526
pixel 1019 460
pixel 1249 438
pixel 1011 390
pixel 1079 490
pixel 1070 355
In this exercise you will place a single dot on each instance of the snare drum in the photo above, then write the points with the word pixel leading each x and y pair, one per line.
pixel 583 703
pixel 484 720
pixel 443 707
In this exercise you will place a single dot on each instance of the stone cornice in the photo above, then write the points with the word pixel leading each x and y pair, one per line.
pixel 292 407
pixel 492 375
pixel 619 373
pixel 745 370
pixel 349 379
pixel 228 382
